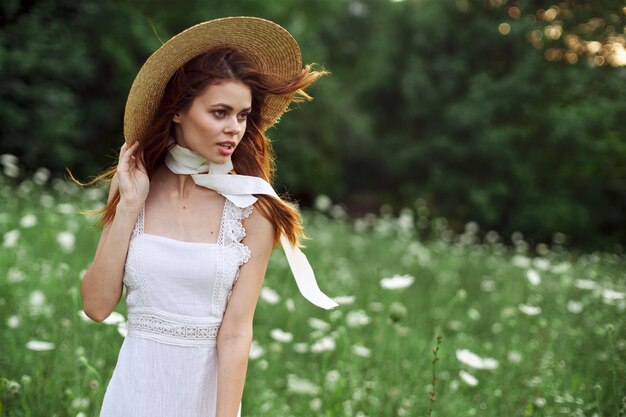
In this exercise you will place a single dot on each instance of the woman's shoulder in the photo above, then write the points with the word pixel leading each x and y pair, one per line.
pixel 255 221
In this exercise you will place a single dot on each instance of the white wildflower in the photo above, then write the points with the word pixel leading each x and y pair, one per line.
pixel 574 306
pixel 14 322
pixel 398 311
pixel 281 335
pixel 39 345
pixel 332 377
pixel 521 261
pixel 315 404
pixel 114 319
pixel 490 363
pixel 529 310
pixel 514 356
pixel 46 200
pixel 347 408
pixel 323 202
pixel 290 304
pixel 361 351
pixel 420 251
pixel 325 344
pixel 8 159
pixel 468 378
pixel 262 364
pixel 357 318
pixel 586 284
pixel 474 361
pixel 488 285
pixel 318 324
pixel 561 267
pixel 455 325
pixel 96 194
pixel 122 328
pixel 610 296
pixel 10 238
pixel 533 277
pixel 406 222
pixel 534 381
pixel 542 264
pixel 37 301
pixel 359 394
pixel 66 240
pixel 28 221
pixel 269 295
pixel 41 176
pixel 9 163
pixel 65 208
pixel 84 316
pixel 496 328
pixel 473 314
pixel 540 402
pixel 299 385
pixel 344 299
pixel 338 212
pixel 397 282
pixel 375 306
pixel 256 351
pixel 454 385
pixel 301 347
pixel 80 402
pixel 15 275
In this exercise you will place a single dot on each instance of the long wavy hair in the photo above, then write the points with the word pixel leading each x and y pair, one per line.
pixel 253 156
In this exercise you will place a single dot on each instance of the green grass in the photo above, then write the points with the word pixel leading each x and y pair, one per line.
pixel 568 359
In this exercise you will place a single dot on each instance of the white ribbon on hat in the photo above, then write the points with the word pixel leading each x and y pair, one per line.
pixel 239 189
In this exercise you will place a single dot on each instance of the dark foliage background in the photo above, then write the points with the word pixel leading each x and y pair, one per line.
pixel 507 113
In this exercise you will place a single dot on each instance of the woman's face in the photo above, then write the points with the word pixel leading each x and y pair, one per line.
pixel 216 120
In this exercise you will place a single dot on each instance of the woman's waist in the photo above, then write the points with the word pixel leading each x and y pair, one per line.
pixel 166 327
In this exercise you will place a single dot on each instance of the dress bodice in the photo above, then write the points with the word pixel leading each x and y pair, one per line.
pixel 177 291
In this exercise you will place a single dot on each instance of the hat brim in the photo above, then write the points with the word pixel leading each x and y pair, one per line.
pixel 265 43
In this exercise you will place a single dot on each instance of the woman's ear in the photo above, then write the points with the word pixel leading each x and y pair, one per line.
pixel 176 118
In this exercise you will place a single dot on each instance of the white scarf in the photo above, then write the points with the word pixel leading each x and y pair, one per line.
pixel 239 189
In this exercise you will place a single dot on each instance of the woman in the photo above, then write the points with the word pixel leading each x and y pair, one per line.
pixel 191 219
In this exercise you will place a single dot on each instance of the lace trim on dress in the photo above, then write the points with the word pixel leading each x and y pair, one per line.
pixel 138 230
pixel 232 253
pixel 172 329
pixel 134 264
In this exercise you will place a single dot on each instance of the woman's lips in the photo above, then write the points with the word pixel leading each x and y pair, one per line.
pixel 226 148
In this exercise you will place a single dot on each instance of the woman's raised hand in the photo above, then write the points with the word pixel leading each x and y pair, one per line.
pixel 134 183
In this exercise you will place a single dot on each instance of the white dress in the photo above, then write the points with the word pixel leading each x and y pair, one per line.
pixel 176 296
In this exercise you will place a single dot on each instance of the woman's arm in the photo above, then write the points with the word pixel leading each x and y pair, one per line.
pixel 101 288
pixel 235 336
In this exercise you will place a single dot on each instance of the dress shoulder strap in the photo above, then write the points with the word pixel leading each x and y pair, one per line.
pixel 231 253
pixel 231 230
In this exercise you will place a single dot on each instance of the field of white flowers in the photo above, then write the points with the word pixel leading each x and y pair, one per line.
pixel 521 334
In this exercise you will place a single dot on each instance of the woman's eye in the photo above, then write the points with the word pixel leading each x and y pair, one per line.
pixel 244 116
pixel 219 113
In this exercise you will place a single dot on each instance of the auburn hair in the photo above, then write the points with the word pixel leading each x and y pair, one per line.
pixel 253 155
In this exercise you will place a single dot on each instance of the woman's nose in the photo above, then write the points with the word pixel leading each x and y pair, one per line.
pixel 234 125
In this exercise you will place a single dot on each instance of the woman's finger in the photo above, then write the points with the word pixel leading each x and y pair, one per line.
pixel 124 162
pixel 141 161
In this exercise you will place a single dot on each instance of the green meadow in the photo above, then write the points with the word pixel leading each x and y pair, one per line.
pixel 430 322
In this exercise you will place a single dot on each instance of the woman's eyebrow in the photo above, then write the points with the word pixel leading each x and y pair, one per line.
pixel 222 105
pixel 228 107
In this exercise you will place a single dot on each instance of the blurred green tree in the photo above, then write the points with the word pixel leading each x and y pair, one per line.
pixel 508 113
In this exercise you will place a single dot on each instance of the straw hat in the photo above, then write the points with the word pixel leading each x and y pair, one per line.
pixel 265 43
